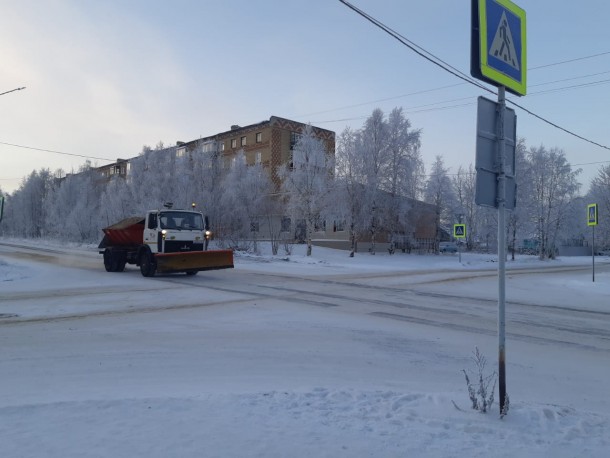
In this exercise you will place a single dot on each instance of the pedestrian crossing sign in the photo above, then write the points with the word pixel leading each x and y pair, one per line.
pixel 592 215
pixel 459 231
pixel 499 44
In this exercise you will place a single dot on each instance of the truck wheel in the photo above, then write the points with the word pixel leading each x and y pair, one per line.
pixel 114 262
pixel 148 267
pixel 108 260
pixel 120 267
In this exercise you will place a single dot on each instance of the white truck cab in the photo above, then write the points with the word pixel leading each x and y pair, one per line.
pixel 175 231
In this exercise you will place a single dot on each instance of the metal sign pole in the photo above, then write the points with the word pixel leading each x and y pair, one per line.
pixel 593 253
pixel 501 249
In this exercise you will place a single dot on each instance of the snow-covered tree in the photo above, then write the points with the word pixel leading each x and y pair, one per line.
pixel 403 173
pixel 349 186
pixel 25 209
pixel 519 221
pixel 74 211
pixel 439 192
pixel 151 178
pixel 116 201
pixel 373 149
pixel 208 172
pixel 554 185
pixel 379 169
pixel 405 168
pixel 307 183
pixel 464 186
pixel 599 193
pixel 246 189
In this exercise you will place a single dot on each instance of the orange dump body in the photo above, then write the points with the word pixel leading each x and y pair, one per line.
pixel 128 232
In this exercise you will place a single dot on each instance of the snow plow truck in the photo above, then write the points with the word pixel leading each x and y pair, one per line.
pixel 164 241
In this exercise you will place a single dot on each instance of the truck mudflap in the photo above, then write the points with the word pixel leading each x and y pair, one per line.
pixel 194 261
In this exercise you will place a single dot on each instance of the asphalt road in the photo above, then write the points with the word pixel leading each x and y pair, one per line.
pixel 424 298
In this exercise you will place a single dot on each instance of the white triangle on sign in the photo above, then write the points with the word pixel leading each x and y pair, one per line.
pixel 503 46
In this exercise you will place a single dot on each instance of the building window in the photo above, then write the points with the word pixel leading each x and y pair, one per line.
pixel 180 152
pixel 243 141
pixel 320 225
pixel 209 147
pixel 258 158
pixel 294 138
pixel 286 224
pixel 339 225
pixel 259 137
pixel 234 143
pixel 222 146
pixel 254 226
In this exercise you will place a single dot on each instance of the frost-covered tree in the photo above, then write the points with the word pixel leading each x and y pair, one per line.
pixel 379 168
pixel 246 188
pixel 519 223
pixel 208 172
pixel 464 186
pixel 374 151
pixel 403 173
pixel 151 178
pixel 25 209
pixel 307 183
pixel 116 202
pixel 599 193
pixel 74 207
pixel 348 186
pixel 554 184
pixel 439 192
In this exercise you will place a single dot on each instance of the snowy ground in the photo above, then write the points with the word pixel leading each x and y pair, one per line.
pixel 292 356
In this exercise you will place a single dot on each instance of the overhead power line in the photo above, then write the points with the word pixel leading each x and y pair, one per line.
pixel 416 48
pixel 450 69
pixel 12 90
pixel 570 60
pixel 56 152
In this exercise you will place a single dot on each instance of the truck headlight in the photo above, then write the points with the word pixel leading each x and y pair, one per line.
pixel 208 234
pixel 163 233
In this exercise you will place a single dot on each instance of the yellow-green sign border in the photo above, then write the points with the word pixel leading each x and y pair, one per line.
pixel 455 226
pixel 595 221
pixel 492 73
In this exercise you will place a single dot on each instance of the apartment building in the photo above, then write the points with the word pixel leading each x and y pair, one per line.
pixel 269 142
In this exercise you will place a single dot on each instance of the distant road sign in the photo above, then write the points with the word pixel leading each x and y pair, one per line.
pixel 459 231
pixel 498 44
pixel 592 215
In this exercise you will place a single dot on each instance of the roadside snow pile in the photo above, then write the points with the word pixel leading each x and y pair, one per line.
pixel 383 262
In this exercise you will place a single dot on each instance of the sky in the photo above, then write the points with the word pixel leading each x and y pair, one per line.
pixel 104 79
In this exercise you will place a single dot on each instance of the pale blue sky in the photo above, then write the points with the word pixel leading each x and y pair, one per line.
pixel 105 78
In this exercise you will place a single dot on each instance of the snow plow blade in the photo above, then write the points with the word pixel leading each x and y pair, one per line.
pixel 194 261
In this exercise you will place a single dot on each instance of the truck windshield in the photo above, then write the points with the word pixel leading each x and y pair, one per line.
pixel 181 220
